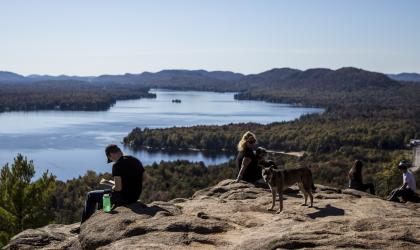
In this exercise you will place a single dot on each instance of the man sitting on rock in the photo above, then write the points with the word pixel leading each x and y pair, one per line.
pixel 408 188
pixel 127 173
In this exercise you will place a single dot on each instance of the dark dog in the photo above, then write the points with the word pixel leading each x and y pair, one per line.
pixel 279 180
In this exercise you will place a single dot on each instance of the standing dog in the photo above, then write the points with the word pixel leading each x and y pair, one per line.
pixel 280 180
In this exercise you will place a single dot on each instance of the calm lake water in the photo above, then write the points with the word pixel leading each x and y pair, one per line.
pixel 69 143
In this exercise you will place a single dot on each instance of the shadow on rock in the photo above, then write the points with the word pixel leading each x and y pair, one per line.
pixel 293 192
pixel 328 210
pixel 140 208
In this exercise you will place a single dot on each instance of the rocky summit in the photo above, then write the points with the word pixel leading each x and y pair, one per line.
pixel 234 216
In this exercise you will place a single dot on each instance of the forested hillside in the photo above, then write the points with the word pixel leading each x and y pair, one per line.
pixel 66 95
pixel 362 109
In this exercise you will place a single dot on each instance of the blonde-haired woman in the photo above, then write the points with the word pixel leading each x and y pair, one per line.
pixel 246 161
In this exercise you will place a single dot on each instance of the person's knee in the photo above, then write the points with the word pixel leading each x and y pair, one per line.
pixel 93 195
pixel 89 195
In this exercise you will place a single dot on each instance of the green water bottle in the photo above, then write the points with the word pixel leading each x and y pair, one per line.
pixel 106 203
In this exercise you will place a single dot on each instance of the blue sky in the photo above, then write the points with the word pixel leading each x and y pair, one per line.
pixel 81 37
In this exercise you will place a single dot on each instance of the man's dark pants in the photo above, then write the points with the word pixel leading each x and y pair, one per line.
pixel 405 194
pixel 94 202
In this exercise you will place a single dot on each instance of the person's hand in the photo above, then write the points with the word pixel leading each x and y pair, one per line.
pixel 102 181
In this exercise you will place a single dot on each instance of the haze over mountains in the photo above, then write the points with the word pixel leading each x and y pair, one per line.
pixel 413 77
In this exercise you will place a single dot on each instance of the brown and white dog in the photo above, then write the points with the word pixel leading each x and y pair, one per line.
pixel 280 180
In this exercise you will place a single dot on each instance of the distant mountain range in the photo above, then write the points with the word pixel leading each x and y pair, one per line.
pixel 412 77
pixel 347 78
pixel 318 78
pixel 60 78
pixel 10 77
pixel 6 76
pixel 182 79
pixel 143 78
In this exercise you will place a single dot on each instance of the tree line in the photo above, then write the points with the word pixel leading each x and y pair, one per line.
pixel 66 95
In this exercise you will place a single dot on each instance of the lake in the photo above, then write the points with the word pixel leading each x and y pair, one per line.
pixel 68 143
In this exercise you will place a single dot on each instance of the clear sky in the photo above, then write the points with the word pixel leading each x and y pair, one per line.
pixel 92 37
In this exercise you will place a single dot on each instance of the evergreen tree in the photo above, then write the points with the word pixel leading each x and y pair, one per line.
pixel 23 204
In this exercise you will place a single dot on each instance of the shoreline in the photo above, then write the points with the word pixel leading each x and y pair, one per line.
pixel 135 148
